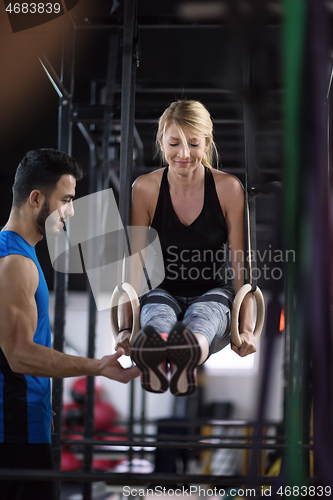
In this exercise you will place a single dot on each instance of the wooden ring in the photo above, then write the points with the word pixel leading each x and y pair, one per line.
pixel 132 295
pixel 242 292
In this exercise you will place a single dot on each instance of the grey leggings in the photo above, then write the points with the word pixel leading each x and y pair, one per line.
pixel 208 314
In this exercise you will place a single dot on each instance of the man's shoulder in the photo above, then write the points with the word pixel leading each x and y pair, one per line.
pixel 18 273
pixel 12 242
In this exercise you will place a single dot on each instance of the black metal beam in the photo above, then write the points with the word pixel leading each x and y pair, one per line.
pixel 179 444
pixel 88 113
pixel 129 66
pixel 61 279
pixel 109 100
pixel 89 426
pixel 130 479
pixel 53 77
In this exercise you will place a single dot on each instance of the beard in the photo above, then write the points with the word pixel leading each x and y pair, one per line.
pixel 42 216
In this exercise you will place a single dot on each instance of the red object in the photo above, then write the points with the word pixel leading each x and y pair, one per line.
pixel 105 415
pixel 73 415
pixel 120 430
pixel 282 320
pixel 69 461
pixel 115 430
pixel 110 464
pixel 99 464
pixel 79 390
pixel 75 437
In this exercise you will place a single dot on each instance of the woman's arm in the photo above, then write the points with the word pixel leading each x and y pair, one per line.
pixel 142 194
pixel 231 195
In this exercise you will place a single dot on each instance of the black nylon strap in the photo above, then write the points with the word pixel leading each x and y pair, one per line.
pixel 252 173
pixel 214 297
pixel 247 274
pixel 159 299
pixel 253 239
pixel 129 65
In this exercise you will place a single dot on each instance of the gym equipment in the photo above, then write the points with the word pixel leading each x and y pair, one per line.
pixel 132 295
pixel 73 415
pixel 69 461
pixel 244 290
pixel 252 188
pixel 79 390
pixel 100 464
pixel 104 415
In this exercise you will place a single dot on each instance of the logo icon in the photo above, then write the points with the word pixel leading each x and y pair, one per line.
pixel 93 240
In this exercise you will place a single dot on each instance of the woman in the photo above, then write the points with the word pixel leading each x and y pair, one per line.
pixel 197 211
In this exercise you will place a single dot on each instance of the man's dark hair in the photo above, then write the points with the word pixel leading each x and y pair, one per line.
pixel 41 169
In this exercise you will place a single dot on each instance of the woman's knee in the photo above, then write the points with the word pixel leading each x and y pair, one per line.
pixel 160 316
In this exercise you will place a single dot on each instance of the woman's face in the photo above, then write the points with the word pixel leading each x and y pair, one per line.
pixel 182 156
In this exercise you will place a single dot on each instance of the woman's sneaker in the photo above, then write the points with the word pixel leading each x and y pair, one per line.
pixel 183 354
pixel 148 351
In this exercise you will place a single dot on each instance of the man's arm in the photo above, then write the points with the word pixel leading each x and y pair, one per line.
pixel 18 322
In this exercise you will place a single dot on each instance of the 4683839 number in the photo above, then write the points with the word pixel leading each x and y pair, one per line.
pixel 304 491
pixel 34 8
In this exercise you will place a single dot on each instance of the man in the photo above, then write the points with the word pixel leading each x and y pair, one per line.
pixel 44 183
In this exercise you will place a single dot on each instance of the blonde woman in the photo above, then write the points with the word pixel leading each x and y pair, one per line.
pixel 197 212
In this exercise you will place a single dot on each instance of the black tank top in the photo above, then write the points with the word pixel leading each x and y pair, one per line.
pixel 195 256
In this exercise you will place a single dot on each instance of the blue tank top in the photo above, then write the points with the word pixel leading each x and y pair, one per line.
pixel 25 401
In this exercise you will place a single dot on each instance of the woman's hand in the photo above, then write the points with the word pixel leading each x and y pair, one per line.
pixel 248 345
pixel 122 342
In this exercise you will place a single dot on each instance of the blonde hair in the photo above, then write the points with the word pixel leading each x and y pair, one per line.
pixel 191 116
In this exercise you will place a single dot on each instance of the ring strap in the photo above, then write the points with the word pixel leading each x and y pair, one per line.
pixel 215 297
pixel 161 299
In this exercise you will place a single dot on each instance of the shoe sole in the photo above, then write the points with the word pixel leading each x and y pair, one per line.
pixel 184 352
pixel 149 352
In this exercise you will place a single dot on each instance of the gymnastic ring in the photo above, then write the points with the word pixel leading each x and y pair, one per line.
pixel 244 290
pixel 132 295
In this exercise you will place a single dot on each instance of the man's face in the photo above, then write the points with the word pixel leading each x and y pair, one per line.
pixel 59 204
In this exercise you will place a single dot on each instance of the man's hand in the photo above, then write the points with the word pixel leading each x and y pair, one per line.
pixel 122 342
pixel 112 369
pixel 248 345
